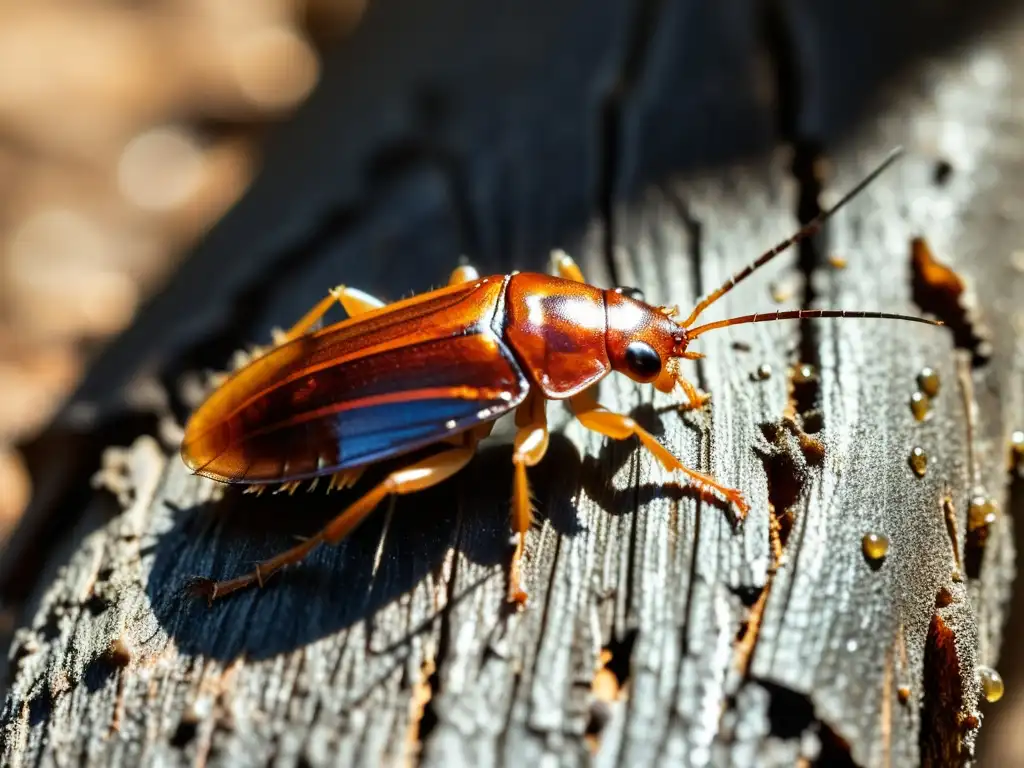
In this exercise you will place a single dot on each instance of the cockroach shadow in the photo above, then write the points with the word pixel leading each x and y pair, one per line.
pixel 596 472
pixel 393 551
pixel 333 588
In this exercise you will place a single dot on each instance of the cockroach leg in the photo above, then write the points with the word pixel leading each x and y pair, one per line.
pixel 618 426
pixel 696 398
pixel 417 477
pixel 562 264
pixel 464 273
pixel 290 487
pixel 354 301
pixel 308 320
pixel 279 337
pixel 345 479
pixel 529 447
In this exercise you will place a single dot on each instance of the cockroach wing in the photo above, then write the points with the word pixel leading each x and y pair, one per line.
pixel 359 392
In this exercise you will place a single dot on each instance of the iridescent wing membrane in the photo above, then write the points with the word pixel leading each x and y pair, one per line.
pixel 373 387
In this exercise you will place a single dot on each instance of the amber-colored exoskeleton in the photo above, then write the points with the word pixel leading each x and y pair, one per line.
pixel 435 371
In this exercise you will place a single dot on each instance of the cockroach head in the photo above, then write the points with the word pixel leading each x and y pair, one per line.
pixel 643 341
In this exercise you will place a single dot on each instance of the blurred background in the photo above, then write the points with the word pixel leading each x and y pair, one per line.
pixel 127 128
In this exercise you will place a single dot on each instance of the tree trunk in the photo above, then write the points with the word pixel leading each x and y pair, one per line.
pixel 659 630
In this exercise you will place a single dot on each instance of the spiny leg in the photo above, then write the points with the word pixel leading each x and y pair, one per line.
pixel 417 477
pixel 562 264
pixel 531 443
pixel 346 478
pixel 670 376
pixel 307 321
pixel 618 426
pixel 695 397
pixel 354 301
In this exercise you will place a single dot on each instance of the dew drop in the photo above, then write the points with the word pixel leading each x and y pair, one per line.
pixel 805 373
pixel 764 371
pixel 918 460
pixel 921 406
pixel 1017 447
pixel 875 546
pixel 119 652
pixel 992 687
pixel 981 512
pixel 928 381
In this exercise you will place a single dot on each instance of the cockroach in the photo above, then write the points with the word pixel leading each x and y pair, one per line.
pixel 436 370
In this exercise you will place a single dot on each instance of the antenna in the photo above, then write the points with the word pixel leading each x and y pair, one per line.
pixel 809 229
pixel 800 314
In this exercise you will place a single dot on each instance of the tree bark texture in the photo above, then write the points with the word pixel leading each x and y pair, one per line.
pixel 664 145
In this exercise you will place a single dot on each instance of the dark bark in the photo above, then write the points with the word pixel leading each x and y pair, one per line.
pixel 771 642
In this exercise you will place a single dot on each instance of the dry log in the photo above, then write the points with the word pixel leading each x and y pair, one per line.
pixel 659 631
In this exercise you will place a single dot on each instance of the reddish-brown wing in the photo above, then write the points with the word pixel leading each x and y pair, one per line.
pixel 366 389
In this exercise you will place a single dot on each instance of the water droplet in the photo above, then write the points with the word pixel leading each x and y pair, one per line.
pixel 981 512
pixel 852 646
pixel 992 687
pixel 903 692
pixel 928 381
pixel 119 652
pixel 920 405
pixel 764 371
pixel 918 460
pixel 805 373
pixel 1017 447
pixel 875 546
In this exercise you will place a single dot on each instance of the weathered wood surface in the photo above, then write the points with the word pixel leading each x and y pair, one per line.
pixel 729 645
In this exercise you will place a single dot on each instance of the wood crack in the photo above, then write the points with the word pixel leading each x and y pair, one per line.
pixel 640 26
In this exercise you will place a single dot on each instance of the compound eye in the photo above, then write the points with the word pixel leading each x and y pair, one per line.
pixel 632 293
pixel 643 360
